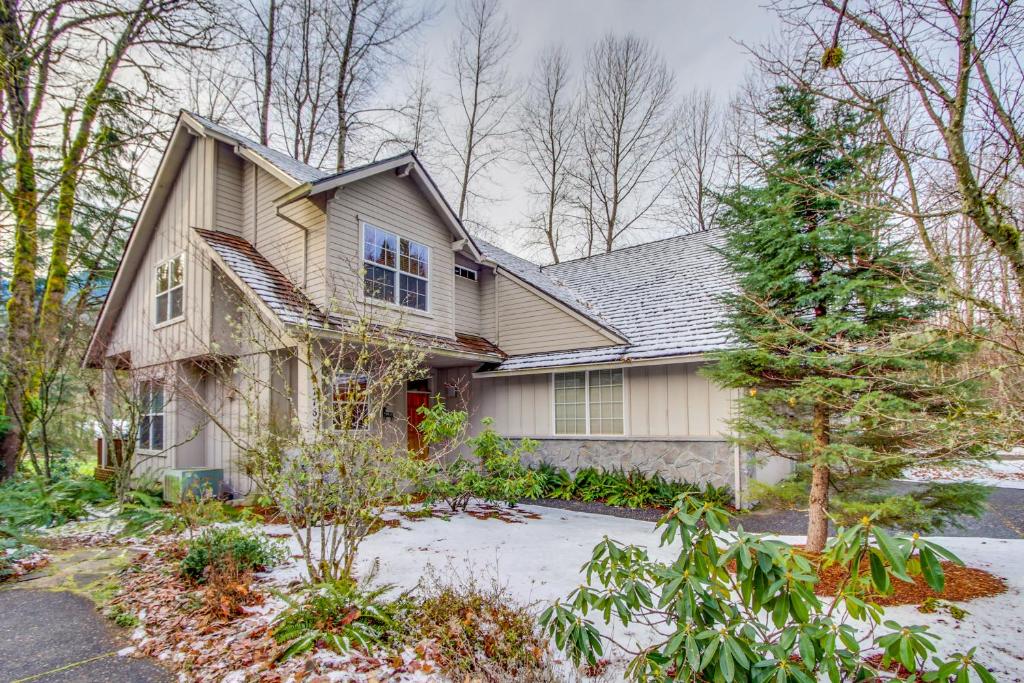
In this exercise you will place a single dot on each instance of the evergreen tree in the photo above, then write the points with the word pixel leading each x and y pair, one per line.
pixel 840 368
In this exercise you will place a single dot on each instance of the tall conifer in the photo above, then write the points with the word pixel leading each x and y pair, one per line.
pixel 841 366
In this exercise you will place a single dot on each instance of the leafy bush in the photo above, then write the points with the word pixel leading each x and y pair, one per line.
pixel 230 547
pixel 339 615
pixel 633 489
pixel 494 473
pixel 33 503
pixel 749 612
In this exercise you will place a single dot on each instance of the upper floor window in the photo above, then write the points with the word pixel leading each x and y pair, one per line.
pixel 151 416
pixel 396 268
pixel 170 290
pixel 467 273
pixel 589 402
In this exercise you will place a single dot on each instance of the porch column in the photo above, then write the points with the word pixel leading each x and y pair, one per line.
pixel 308 371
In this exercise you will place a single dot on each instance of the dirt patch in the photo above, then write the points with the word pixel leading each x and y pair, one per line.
pixel 962 584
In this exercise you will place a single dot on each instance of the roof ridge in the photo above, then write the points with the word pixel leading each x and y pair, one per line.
pixel 705 232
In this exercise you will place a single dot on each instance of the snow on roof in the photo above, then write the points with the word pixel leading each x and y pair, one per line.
pixel 663 296
pixel 295 169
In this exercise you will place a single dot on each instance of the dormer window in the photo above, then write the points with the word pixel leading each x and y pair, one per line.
pixel 170 290
pixel 396 268
pixel 465 273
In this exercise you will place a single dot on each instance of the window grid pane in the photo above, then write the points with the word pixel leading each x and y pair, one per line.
pixel 570 403
pixel 413 292
pixel 606 402
pixel 379 283
pixel 151 419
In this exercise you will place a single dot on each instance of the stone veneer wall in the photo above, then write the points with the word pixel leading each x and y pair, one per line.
pixel 693 460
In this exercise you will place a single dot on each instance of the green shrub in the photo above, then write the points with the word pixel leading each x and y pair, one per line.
pixel 28 503
pixel 633 489
pixel 748 612
pixel 220 547
pixel 341 616
pixel 494 473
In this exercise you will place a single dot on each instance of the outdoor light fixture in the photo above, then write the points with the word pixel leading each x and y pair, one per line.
pixel 387 414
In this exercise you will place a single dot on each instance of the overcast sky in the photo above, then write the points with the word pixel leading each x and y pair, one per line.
pixel 700 40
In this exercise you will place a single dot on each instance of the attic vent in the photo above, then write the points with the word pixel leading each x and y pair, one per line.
pixel 467 273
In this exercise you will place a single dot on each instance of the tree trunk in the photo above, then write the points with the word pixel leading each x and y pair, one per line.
pixel 345 79
pixel 268 77
pixel 817 513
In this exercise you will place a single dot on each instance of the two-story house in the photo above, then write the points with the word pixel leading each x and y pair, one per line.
pixel 596 358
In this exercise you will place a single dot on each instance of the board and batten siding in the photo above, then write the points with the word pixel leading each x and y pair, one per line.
pixel 281 235
pixel 529 323
pixel 396 205
pixel 189 204
pixel 671 401
pixel 230 216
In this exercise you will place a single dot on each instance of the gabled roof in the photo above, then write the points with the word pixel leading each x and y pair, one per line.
pixel 663 297
pixel 405 164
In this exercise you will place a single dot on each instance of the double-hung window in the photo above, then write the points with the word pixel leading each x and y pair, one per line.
pixel 151 416
pixel 396 269
pixel 351 402
pixel 589 402
pixel 170 290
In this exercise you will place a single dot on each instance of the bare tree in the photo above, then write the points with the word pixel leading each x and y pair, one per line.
pixel 549 125
pixel 416 121
pixel 373 29
pixel 484 94
pixel 626 134
pixel 701 159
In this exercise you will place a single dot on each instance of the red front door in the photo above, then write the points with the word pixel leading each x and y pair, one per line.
pixel 413 401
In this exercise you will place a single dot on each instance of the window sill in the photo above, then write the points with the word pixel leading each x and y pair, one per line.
pixel 428 315
pixel 168 323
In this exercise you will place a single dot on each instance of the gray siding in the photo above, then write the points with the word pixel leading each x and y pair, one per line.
pixel 397 205
pixel 669 400
pixel 467 300
pixel 529 323
pixel 230 216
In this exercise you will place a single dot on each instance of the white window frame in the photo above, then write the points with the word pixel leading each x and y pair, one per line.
pixel 343 378
pixel 156 293
pixel 147 386
pixel 461 271
pixel 397 269
pixel 586 397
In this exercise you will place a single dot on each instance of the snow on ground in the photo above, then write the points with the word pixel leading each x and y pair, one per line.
pixel 1007 474
pixel 538 560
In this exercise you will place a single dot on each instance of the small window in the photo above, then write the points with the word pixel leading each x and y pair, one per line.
pixel 589 402
pixel 151 416
pixel 351 403
pixel 396 269
pixel 170 290
pixel 467 273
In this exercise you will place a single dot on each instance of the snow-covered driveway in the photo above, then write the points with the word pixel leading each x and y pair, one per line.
pixel 538 560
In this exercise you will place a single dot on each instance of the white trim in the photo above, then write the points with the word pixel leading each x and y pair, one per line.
pixel 586 404
pixel 643 362
pixel 397 270
pixel 184 277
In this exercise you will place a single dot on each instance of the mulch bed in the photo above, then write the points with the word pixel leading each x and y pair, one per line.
pixel 962 584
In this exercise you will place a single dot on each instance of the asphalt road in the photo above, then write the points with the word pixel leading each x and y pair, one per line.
pixel 1003 519
pixel 57 636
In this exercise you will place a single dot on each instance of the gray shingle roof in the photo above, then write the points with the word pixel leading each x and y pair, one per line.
pixel 295 169
pixel 663 296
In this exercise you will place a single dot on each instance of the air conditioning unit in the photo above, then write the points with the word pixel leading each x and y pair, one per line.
pixel 192 483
